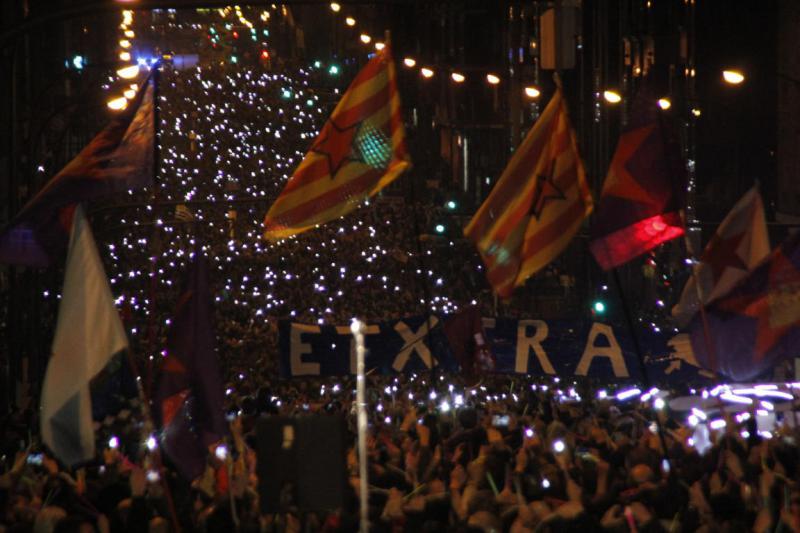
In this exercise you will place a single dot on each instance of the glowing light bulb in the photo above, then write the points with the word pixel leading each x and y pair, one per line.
pixel 365 38
pixel 409 62
pixel 733 77
pixel 426 72
pixel 117 104
pixel 457 77
pixel 612 97
pixel 335 7
pixel 664 103
pixel 350 21
pixel 128 72
pixel 493 79
pixel 532 92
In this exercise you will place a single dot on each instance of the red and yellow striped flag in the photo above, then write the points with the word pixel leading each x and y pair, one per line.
pixel 537 205
pixel 360 150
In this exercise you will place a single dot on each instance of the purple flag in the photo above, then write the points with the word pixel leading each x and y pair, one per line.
pixel 757 323
pixel 119 158
pixel 189 401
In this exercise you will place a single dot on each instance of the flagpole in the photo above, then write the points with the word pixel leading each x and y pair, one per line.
pixel 153 238
pixel 640 358
pixel 710 346
pixel 357 327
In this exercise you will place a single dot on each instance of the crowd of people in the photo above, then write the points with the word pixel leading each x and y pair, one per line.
pixel 444 454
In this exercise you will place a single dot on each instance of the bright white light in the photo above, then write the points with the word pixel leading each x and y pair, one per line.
pixel 717 424
pixel 221 452
pixel 350 21
pixel 734 77
pixel 664 103
pixel 128 72
pixel 559 446
pixel 379 46
pixel 366 39
pixel 117 104
pixel 426 72
pixel 335 7
pixel 492 79
pixel 151 443
pixel 113 443
pixel 545 483
pixel 532 92
pixel 659 403
pixel 612 97
pixel 409 62
pixel 529 433
pixel 457 77
pixel 444 406
pixel 630 393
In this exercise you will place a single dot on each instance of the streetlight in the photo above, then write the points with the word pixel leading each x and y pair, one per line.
pixel 365 38
pixel 335 7
pixel 350 21
pixel 426 72
pixel 532 92
pixel 128 72
pixel 409 62
pixel 379 46
pixel 117 104
pixel 457 77
pixel 664 103
pixel 733 77
pixel 492 79
pixel 612 97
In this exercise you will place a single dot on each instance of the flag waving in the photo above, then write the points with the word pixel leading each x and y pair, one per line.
pixel 644 191
pixel 89 331
pixel 119 158
pixel 740 243
pixel 757 324
pixel 360 150
pixel 536 206
pixel 190 398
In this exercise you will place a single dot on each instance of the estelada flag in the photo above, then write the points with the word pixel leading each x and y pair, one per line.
pixel 737 247
pixel 360 150
pixel 757 324
pixel 644 192
pixel 119 158
pixel 537 205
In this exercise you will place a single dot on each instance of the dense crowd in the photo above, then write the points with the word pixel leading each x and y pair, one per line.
pixel 444 455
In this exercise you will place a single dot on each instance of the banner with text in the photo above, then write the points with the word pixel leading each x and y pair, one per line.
pixel 566 348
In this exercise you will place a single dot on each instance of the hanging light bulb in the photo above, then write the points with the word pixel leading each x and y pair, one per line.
pixel 128 72
pixel 117 104
pixel 532 92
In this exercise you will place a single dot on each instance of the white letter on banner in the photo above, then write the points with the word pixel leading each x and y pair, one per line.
pixel 612 351
pixel 525 343
pixel 374 329
pixel 413 343
pixel 297 349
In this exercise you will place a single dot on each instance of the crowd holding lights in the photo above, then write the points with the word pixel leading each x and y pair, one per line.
pixel 230 137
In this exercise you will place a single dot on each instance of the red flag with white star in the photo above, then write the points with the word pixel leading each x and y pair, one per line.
pixel 360 150
pixel 739 244
pixel 644 191
pixel 757 324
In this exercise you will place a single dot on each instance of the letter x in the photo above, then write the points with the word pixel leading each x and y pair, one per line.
pixel 413 343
